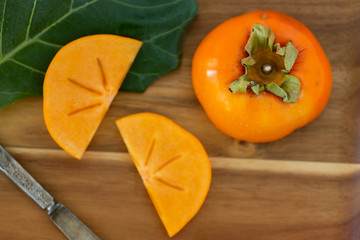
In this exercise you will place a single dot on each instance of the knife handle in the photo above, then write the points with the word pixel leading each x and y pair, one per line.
pixel 24 180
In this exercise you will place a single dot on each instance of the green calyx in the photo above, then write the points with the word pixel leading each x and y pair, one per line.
pixel 267 67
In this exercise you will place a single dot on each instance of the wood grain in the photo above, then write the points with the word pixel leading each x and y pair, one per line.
pixel 248 199
pixel 332 137
pixel 316 196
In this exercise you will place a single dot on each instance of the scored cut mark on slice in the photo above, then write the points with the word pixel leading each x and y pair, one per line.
pixel 80 84
pixel 172 163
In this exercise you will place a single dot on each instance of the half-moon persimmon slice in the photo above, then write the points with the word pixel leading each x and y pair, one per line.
pixel 172 163
pixel 80 84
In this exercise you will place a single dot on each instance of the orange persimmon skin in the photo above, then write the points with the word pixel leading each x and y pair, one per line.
pixel 263 117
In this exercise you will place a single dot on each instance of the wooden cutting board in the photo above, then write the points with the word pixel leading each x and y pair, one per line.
pixel 311 190
pixel 248 199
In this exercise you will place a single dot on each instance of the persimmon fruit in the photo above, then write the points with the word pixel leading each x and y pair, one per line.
pixel 260 76
pixel 80 83
pixel 172 163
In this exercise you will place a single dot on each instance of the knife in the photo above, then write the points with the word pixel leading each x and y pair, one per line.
pixel 62 217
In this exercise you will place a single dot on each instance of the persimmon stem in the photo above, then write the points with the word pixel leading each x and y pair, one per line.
pixel 268 66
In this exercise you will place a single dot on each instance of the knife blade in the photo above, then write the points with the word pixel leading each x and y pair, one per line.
pixel 61 216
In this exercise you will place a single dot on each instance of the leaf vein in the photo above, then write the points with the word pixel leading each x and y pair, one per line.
pixel 173 29
pixel 49 43
pixel 30 21
pixel 143 74
pixel 27 66
pixel 1 29
pixel 147 7
pixel 26 43
pixel 163 49
pixel 16 93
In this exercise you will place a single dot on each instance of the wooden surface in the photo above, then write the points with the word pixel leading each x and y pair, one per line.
pixel 248 199
pixel 332 137
pixel 313 196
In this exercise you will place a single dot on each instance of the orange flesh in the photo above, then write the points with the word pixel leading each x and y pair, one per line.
pixel 262 118
pixel 173 165
pixel 80 84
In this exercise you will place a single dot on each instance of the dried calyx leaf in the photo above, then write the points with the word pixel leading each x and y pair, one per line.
pixel 279 50
pixel 290 56
pixel 239 85
pixel 261 36
pixel 267 67
pixel 289 90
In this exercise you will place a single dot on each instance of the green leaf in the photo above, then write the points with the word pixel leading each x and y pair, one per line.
pixel 290 56
pixel 32 31
pixel 240 85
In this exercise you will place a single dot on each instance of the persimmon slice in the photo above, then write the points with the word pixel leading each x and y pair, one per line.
pixel 80 84
pixel 172 163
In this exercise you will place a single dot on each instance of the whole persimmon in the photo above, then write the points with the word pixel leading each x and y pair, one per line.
pixel 260 76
